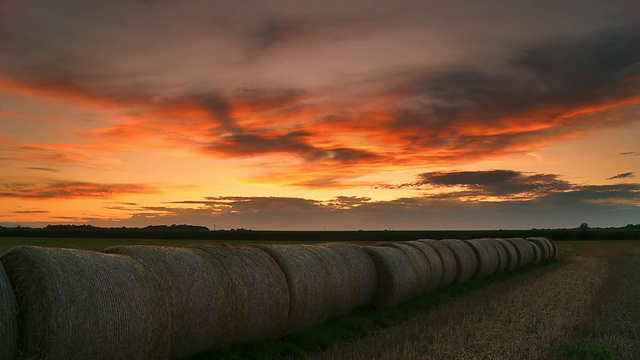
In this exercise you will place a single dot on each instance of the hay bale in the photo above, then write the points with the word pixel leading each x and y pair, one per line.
pixel 543 246
pixel 503 257
pixel 487 258
pixel 550 245
pixel 8 319
pixel 309 282
pixel 361 272
pixel 255 298
pixel 524 250
pixel 78 304
pixel 512 255
pixel 465 258
pixel 434 261
pixel 419 262
pixel 398 279
pixel 537 253
pixel 449 263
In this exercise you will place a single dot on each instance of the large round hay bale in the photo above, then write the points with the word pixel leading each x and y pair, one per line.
pixel 398 279
pixel 419 261
pixel 543 246
pixel 361 272
pixel 554 248
pixel 449 262
pixel 465 258
pixel 503 257
pixel 78 304
pixel 524 250
pixel 434 261
pixel 8 319
pixel 512 254
pixel 487 258
pixel 309 281
pixel 537 253
pixel 256 284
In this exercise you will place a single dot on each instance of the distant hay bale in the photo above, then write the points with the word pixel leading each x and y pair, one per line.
pixel 419 262
pixel 466 259
pixel 487 258
pixel 537 253
pixel 78 304
pixel 543 246
pixel 309 282
pixel 512 255
pixel 361 274
pixel 550 245
pixel 398 279
pixel 434 261
pixel 554 248
pixel 449 262
pixel 502 254
pixel 255 299
pixel 524 250
pixel 8 319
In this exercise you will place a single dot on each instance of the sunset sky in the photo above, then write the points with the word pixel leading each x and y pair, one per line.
pixel 308 115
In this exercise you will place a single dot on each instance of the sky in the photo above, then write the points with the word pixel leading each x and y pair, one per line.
pixel 320 115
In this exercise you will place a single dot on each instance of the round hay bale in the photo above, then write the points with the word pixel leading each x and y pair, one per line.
pixel 398 279
pixel 311 294
pixel 419 262
pixel 486 256
pixel 537 253
pixel 524 250
pixel 554 248
pixel 465 258
pixel 434 261
pixel 551 246
pixel 255 295
pixel 8 319
pixel 503 257
pixel 361 272
pixel 543 246
pixel 78 304
pixel 512 255
pixel 449 262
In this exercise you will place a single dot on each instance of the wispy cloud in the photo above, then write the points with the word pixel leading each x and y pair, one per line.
pixel 60 189
pixel 626 175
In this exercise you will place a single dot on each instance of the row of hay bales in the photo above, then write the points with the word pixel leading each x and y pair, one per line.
pixel 153 302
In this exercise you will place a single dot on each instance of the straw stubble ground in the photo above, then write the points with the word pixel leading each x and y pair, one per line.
pixel 582 307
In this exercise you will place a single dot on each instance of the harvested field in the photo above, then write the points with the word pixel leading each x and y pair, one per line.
pixel 434 261
pixel 398 279
pixel 449 263
pixel 466 260
pixel 78 304
pixel 8 319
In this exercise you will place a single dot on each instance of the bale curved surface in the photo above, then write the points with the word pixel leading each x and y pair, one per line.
pixel 434 261
pixel 398 279
pixel 255 299
pixel 487 258
pixel 361 272
pixel 537 253
pixel 448 259
pixel 466 259
pixel 551 246
pixel 512 255
pixel 309 283
pixel 419 262
pixel 503 257
pixel 78 304
pixel 524 250
pixel 8 319
pixel 541 244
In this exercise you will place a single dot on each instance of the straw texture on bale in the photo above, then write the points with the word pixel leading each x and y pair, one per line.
pixel 541 244
pixel 449 262
pixel 550 245
pixel 419 262
pixel 537 253
pixel 309 281
pixel 434 261
pixel 487 258
pixel 512 255
pixel 78 304
pixel 8 319
pixel 524 250
pixel 255 295
pixel 466 259
pixel 502 255
pixel 398 279
pixel 361 274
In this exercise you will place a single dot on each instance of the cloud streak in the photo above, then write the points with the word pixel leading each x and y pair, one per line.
pixel 47 189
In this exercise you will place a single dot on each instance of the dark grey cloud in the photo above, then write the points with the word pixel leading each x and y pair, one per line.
pixel 631 153
pixel 30 212
pixel 626 175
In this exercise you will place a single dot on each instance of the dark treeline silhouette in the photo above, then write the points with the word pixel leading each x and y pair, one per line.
pixel 629 232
